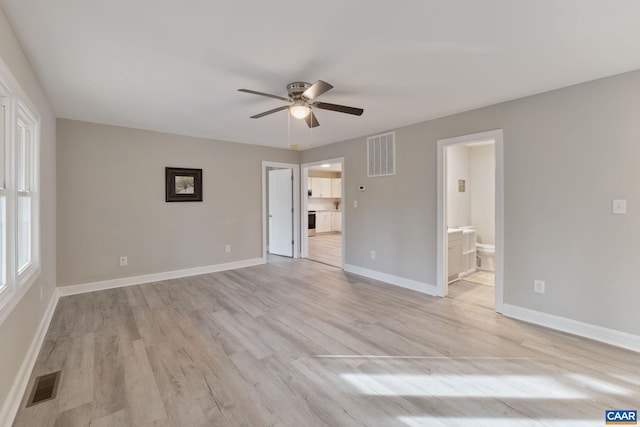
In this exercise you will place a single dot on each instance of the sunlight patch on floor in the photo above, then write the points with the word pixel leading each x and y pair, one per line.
pixel 496 386
pixel 599 385
pixel 496 422
pixel 480 358
pixel 627 379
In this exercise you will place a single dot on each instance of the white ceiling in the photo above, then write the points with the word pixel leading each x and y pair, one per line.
pixel 174 66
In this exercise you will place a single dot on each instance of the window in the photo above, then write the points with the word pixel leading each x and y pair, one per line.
pixel 3 192
pixel 24 136
pixel 19 233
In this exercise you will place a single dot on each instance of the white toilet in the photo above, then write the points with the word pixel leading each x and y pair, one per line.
pixel 486 257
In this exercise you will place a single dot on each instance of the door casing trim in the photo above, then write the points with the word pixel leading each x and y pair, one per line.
pixel 497 136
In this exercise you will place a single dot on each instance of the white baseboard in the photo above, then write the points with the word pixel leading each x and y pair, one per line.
pixel 586 330
pixel 12 404
pixel 393 280
pixel 563 324
pixel 155 277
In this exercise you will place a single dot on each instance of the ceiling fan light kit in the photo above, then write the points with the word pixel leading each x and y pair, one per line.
pixel 300 110
pixel 300 95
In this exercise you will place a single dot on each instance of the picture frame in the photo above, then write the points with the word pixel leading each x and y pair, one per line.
pixel 183 184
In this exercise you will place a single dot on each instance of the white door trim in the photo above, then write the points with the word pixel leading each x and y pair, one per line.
pixel 296 205
pixel 305 205
pixel 497 136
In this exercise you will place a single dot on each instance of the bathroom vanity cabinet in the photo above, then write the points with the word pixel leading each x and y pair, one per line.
pixel 468 262
pixel 454 257
pixel 461 253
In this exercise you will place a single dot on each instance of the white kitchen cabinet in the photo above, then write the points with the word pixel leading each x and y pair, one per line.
pixel 320 187
pixel 314 186
pixel 336 188
pixel 336 221
pixel 323 221
pixel 325 187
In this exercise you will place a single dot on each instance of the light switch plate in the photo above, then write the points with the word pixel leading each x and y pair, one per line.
pixel 619 207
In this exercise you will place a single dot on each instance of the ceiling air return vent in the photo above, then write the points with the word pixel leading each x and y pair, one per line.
pixel 381 150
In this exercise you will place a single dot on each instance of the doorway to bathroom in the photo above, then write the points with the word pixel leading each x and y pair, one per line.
pixel 470 218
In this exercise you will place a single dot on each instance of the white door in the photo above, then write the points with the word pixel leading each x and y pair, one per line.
pixel 281 212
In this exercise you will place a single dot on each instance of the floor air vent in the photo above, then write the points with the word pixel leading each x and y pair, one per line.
pixel 44 389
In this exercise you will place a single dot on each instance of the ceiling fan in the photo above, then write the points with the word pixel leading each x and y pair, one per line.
pixel 300 96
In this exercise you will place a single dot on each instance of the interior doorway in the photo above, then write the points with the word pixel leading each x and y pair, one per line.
pixel 470 217
pixel 323 189
pixel 280 201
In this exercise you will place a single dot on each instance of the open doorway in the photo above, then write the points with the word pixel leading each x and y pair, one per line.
pixel 323 241
pixel 470 224
pixel 280 209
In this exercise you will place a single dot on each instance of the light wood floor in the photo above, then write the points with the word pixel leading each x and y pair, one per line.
pixel 482 277
pixel 326 248
pixel 299 343
pixel 467 292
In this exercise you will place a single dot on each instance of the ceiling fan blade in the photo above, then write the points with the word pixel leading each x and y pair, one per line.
pixel 316 89
pixel 311 120
pixel 339 108
pixel 264 94
pixel 266 113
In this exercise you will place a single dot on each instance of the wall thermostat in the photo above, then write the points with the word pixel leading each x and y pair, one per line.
pixel 362 187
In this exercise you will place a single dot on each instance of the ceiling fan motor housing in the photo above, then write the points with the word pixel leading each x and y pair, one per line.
pixel 296 89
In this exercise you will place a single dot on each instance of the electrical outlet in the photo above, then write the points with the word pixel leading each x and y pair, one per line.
pixel 538 286
pixel 355 203
pixel 373 254
pixel 227 248
pixel 123 261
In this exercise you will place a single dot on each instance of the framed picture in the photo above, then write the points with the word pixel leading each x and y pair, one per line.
pixel 183 185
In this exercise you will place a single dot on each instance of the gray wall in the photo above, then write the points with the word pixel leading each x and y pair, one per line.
pixel 567 154
pixel 19 329
pixel 111 202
